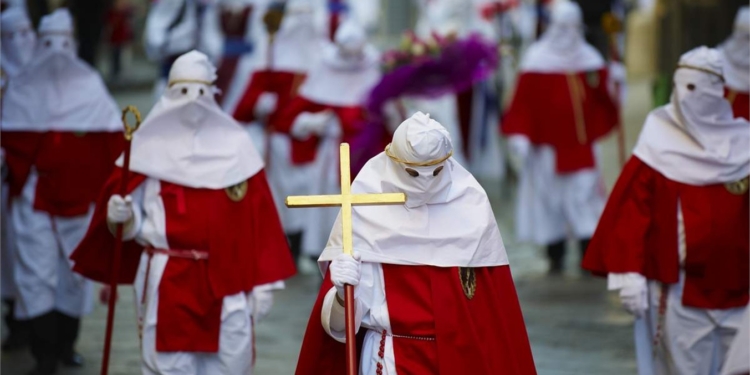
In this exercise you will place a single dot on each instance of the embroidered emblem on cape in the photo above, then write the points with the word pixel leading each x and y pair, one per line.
pixel 237 192
pixel 592 79
pixel 738 187
pixel 468 281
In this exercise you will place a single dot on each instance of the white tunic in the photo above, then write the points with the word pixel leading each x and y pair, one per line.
pixel 42 272
pixel 552 206
pixel 235 354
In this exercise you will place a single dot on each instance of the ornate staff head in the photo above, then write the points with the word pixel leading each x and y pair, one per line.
pixel 130 129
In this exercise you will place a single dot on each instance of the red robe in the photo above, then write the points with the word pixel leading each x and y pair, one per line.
pixel 244 240
pixel 482 335
pixel 283 84
pixel 740 102
pixel 72 167
pixel 638 233
pixel 566 111
pixel 352 119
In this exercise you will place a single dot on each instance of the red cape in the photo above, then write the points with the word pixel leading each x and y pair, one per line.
pixel 351 119
pixel 638 233
pixel 740 102
pixel 283 84
pixel 543 110
pixel 244 241
pixel 71 167
pixel 484 335
pixel 246 237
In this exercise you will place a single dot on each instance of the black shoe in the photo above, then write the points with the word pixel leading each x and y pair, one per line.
pixel 67 331
pixel 72 359
pixel 18 330
pixel 556 256
pixel 43 343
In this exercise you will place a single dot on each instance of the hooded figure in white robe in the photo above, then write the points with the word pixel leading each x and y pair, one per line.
pixel 61 132
pixel 18 39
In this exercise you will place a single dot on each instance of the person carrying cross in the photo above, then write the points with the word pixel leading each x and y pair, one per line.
pixel 433 289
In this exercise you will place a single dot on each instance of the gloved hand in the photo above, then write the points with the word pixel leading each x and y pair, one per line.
pixel 634 297
pixel 119 209
pixel 308 123
pixel 519 148
pixel 345 269
pixel 265 105
pixel 262 303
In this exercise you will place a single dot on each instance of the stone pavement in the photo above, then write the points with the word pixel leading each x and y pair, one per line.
pixel 574 325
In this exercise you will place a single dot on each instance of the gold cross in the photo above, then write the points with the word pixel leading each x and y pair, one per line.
pixel 346 199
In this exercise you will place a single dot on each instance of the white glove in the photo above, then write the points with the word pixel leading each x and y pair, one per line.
pixel 518 150
pixel 119 210
pixel 634 297
pixel 308 123
pixel 266 104
pixel 345 269
pixel 262 303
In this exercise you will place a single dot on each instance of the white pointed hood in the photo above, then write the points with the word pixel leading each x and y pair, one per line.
pixel 453 226
pixel 57 91
pixel 187 139
pixel 562 48
pixel 696 139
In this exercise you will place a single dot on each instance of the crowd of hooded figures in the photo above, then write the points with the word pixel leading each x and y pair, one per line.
pixel 252 101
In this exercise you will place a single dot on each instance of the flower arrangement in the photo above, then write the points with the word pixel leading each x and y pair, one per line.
pixel 415 51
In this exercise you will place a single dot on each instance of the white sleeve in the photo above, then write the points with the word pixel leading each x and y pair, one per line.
pixel 160 16
pixel 616 281
pixel 332 315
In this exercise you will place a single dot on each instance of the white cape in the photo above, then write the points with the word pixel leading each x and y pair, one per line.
pixel 461 231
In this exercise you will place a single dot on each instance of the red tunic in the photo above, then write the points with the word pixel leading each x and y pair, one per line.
pixel 482 335
pixel 566 111
pixel 352 120
pixel 740 102
pixel 244 240
pixel 283 84
pixel 638 233
pixel 71 167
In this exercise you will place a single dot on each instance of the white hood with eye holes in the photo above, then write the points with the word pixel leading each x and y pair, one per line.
pixel 187 139
pixel 57 91
pixel 452 226
pixel 695 139
pixel 562 48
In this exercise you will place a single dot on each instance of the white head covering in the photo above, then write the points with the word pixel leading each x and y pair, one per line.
pixel 18 40
pixel 562 48
pixel 347 72
pixel 58 91
pixel 187 139
pixel 447 220
pixel 695 139
pixel 736 51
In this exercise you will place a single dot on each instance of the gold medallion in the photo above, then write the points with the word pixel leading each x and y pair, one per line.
pixel 237 192
pixel 738 187
pixel 468 281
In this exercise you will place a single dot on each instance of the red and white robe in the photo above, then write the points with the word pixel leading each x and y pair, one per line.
pixel 54 178
pixel 195 312
pixel 691 243
pixel 554 122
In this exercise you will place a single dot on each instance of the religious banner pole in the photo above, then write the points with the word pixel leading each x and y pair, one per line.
pixel 128 133
pixel 346 200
